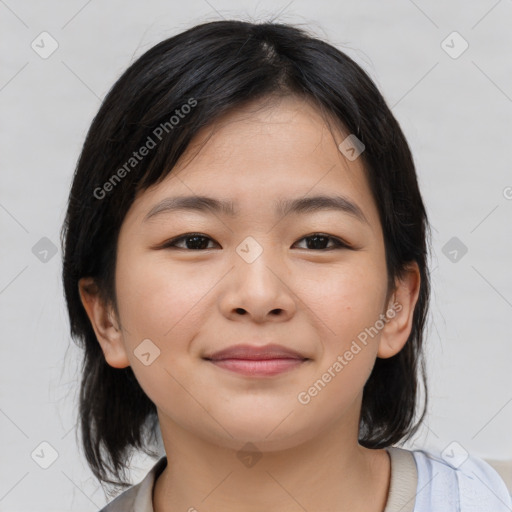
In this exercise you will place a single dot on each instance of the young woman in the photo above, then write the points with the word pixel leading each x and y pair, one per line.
pixel 245 267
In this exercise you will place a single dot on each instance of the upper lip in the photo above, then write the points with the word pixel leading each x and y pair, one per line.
pixel 254 352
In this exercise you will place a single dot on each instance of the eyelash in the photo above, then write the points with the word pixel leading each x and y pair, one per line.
pixel 340 244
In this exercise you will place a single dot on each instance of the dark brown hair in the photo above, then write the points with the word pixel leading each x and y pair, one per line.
pixel 221 66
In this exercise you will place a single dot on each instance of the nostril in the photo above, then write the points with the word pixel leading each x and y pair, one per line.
pixel 240 310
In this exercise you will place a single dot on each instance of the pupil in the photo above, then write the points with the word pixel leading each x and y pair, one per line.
pixel 314 245
pixel 195 244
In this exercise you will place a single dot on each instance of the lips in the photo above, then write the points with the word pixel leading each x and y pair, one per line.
pixel 255 353
pixel 253 361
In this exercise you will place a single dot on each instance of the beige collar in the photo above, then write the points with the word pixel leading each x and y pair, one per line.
pixel 404 481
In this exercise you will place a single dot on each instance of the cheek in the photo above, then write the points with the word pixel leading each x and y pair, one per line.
pixel 157 303
pixel 156 300
pixel 350 299
pixel 351 328
pixel 351 304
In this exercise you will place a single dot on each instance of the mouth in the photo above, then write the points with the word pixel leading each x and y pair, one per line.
pixel 256 361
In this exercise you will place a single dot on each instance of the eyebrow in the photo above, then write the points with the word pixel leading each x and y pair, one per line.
pixel 282 207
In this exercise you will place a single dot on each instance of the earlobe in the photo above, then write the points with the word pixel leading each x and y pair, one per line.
pixel 104 324
pixel 400 313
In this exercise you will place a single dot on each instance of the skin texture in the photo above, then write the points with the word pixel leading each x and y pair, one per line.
pixel 189 302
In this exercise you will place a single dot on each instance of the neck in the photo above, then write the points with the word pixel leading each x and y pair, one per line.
pixel 330 472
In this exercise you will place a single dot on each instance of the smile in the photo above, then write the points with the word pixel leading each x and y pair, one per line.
pixel 259 367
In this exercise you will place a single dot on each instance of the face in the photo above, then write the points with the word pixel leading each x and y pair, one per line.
pixel 312 280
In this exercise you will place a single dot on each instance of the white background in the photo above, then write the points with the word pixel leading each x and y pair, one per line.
pixel 455 112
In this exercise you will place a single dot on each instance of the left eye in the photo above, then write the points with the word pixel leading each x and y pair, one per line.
pixel 316 241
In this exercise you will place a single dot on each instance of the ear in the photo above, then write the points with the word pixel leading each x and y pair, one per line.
pixel 398 324
pixel 104 324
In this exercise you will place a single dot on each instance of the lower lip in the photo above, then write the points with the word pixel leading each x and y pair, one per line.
pixel 260 367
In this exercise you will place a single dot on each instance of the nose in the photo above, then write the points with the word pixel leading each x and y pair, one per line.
pixel 260 291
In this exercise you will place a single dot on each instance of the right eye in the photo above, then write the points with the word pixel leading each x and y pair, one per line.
pixel 192 241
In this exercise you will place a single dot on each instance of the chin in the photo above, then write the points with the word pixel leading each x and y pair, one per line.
pixel 268 433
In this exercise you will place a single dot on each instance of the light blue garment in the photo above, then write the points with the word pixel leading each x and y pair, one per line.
pixel 473 486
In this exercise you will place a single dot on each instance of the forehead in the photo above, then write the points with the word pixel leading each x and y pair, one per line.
pixel 263 154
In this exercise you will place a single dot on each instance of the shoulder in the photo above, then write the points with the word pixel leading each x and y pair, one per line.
pixel 138 498
pixel 454 480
